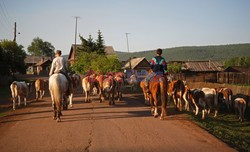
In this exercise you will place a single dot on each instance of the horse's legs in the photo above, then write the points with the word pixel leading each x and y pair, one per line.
pixel 155 104
pixel 186 101
pixel 25 101
pixel 14 103
pixel 70 100
pixel 19 100
pixel 58 111
pixel 113 97
pixel 36 95
pixel 54 107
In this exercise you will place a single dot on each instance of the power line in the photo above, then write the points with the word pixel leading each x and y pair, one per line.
pixel 5 14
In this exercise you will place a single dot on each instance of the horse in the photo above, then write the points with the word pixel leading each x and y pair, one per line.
pixel 100 79
pixel 88 84
pixel 158 85
pixel 132 80
pixel 58 86
pixel 40 88
pixel 143 87
pixel 226 95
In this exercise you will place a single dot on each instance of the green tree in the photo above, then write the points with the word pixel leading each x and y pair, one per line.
pixel 89 45
pixel 12 57
pixel 174 68
pixel 238 61
pixel 39 47
pixel 100 43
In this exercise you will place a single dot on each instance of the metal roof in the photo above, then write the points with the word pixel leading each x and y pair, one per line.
pixel 203 66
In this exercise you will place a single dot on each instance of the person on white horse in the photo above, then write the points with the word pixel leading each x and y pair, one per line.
pixel 59 65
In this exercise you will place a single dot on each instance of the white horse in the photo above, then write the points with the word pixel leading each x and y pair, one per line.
pixel 58 85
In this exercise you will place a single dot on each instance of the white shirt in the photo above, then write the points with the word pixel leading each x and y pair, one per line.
pixel 58 64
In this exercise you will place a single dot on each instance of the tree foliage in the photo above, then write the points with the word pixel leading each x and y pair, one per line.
pixel 97 62
pixel 12 58
pixel 238 61
pixel 174 68
pixel 89 45
pixel 39 47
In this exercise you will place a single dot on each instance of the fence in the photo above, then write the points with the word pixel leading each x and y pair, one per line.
pixel 219 77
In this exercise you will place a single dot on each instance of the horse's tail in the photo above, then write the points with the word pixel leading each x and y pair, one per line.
pixel 13 88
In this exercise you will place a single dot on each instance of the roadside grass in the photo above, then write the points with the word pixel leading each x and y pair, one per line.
pixel 227 128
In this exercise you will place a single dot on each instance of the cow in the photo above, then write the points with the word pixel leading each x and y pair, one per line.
pixel 211 98
pixel 99 80
pixel 76 80
pixel 146 95
pixel 226 95
pixel 197 97
pixel 176 89
pixel 119 78
pixel 109 86
pixel 240 107
pixel 40 88
pixel 88 84
pixel 19 90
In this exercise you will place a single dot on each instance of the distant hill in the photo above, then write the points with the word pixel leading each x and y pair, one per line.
pixel 194 53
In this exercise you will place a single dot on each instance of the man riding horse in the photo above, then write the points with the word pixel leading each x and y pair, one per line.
pixel 158 66
pixel 59 65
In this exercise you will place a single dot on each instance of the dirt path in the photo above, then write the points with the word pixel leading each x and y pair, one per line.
pixel 127 126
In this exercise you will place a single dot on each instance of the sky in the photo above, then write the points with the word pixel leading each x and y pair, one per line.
pixel 152 24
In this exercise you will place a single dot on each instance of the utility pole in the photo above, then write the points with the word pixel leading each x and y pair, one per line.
pixel 14 32
pixel 128 52
pixel 76 17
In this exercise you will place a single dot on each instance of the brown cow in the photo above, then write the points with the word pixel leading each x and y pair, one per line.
pixel 143 87
pixel 76 80
pixel 109 86
pixel 226 94
pixel 119 78
pixel 40 88
pixel 158 85
pixel 100 79
pixel 240 107
pixel 176 89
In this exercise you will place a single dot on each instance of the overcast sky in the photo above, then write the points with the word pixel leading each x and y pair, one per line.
pixel 152 23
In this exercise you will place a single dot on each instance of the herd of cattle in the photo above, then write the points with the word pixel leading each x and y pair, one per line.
pixel 110 85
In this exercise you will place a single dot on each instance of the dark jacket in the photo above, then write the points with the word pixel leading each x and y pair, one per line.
pixel 158 64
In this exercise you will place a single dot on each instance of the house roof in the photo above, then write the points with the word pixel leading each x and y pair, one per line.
pixel 134 62
pixel 40 63
pixel 238 69
pixel 31 59
pixel 203 66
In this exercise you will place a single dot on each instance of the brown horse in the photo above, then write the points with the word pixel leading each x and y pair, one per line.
pixel 119 78
pixel 109 85
pixel 158 85
pixel 226 95
pixel 100 79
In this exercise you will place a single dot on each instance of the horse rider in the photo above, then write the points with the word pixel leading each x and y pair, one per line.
pixel 59 65
pixel 158 66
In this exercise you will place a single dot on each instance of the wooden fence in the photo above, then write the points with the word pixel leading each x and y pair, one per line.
pixel 220 77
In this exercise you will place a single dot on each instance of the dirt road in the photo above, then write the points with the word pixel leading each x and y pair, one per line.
pixel 126 126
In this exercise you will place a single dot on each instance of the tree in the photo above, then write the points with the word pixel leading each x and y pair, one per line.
pixel 39 47
pixel 174 68
pixel 100 43
pixel 89 45
pixel 238 61
pixel 12 57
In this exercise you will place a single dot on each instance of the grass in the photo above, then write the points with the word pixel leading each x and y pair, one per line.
pixel 227 128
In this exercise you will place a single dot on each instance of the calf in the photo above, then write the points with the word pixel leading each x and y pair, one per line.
pixel 40 88
pixel 240 107
pixel 19 90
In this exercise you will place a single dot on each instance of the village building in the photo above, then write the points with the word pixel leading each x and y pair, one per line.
pixel 139 67
pixel 38 65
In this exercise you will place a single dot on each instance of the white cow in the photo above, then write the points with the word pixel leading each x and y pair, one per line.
pixel 240 107
pixel 211 98
pixel 19 90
